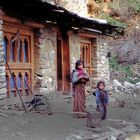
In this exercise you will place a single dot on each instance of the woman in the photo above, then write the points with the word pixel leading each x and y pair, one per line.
pixel 80 77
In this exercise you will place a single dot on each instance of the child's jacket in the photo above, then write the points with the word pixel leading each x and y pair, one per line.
pixel 101 97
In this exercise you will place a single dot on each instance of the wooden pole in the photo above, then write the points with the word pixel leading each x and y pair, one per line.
pixel 33 106
pixel 29 87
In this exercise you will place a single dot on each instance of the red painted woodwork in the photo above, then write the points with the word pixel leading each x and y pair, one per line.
pixel 19 55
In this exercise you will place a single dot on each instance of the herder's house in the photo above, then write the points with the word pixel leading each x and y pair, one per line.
pixel 41 43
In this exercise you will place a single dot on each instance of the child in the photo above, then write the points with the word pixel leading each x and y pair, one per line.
pixel 101 99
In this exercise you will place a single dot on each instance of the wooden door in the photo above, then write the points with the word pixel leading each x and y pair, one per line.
pixel 66 65
pixel 18 48
pixel 63 65
pixel 85 55
pixel 59 65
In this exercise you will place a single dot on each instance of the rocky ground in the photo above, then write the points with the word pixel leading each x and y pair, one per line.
pixel 123 121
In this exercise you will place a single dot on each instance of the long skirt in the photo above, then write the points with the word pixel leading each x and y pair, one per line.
pixel 79 101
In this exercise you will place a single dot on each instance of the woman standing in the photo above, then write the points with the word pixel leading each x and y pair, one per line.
pixel 80 77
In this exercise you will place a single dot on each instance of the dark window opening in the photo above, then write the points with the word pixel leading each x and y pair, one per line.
pixel 5 46
pixel 13 51
pixel 26 82
pixel 20 51
pixel 26 50
pixel 12 85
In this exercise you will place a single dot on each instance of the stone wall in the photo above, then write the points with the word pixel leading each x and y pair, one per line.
pixel 102 69
pixel 93 77
pixel 74 45
pixel 2 66
pixel 45 61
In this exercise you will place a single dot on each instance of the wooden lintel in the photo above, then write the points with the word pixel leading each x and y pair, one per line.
pixel 32 24
pixel 89 35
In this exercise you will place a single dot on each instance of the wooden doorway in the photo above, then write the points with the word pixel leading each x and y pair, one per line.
pixel 63 65
pixel 19 49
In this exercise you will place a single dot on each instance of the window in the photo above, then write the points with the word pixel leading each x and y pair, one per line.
pixel 85 55
pixel 17 49
pixel 20 50
pixel 13 52
pixel 19 83
pixel 26 56
pixel 26 82
pixel 5 46
pixel 12 85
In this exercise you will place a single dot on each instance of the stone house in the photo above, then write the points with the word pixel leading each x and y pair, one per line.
pixel 41 43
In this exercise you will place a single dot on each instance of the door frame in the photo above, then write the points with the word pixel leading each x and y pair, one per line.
pixel 62 83
pixel 64 43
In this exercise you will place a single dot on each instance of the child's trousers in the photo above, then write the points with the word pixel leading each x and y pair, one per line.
pixel 103 110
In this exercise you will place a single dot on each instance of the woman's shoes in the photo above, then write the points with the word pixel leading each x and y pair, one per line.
pixel 79 116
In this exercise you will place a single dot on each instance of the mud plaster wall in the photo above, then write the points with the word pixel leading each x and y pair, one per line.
pixel 45 61
pixel 74 45
pixel 2 66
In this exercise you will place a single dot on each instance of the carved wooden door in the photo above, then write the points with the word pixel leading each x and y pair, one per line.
pixel 18 48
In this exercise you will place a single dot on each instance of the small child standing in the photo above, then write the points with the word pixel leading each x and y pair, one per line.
pixel 101 99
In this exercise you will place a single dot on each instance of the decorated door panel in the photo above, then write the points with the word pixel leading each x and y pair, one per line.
pixel 18 49
pixel 85 55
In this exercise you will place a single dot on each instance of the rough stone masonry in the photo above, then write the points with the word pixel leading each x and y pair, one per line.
pixel 2 66
pixel 45 60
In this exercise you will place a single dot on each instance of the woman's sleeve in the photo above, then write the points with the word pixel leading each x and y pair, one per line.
pixel 75 77
pixel 97 97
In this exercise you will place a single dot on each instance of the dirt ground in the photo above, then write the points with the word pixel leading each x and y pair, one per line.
pixel 16 125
